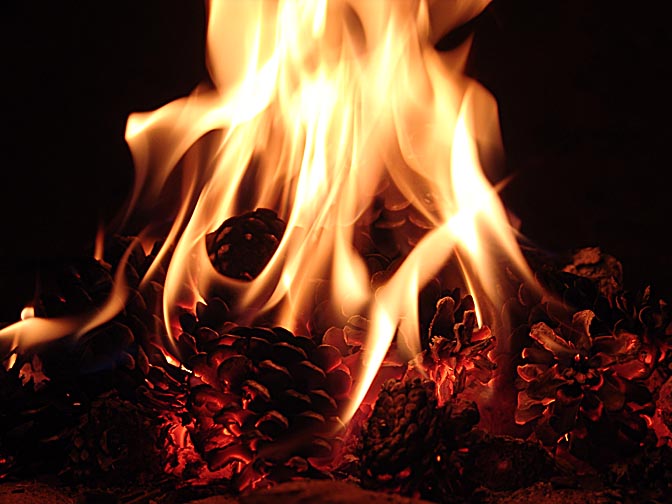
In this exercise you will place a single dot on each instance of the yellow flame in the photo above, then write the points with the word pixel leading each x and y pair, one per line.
pixel 315 107
pixel 330 100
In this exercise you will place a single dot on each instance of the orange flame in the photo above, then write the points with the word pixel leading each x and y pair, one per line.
pixel 320 103
pixel 331 98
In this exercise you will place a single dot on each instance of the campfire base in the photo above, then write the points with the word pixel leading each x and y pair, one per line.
pixel 96 456
pixel 326 492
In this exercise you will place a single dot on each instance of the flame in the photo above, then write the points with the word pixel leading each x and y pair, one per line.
pixel 99 247
pixel 312 109
pixel 28 312
pixel 321 103
pixel 31 330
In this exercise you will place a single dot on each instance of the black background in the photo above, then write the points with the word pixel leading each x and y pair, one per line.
pixel 585 95
pixel 583 88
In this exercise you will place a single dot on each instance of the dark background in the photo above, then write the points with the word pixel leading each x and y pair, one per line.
pixel 583 88
pixel 585 95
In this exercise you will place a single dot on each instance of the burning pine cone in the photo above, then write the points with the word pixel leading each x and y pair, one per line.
pixel 243 245
pixel 458 355
pixel 586 388
pixel 407 442
pixel 266 405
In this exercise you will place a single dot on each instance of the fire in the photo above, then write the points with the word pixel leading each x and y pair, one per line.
pixel 31 330
pixel 313 108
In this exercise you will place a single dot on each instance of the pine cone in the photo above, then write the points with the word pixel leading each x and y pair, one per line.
pixel 118 442
pixel 243 245
pixel 664 407
pixel 458 356
pixel 429 297
pixel 392 226
pixel 561 293
pixel 46 391
pixel 266 405
pixel 408 440
pixel 585 387
pixel 106 357
pixel 604 270
pixel 569 288
pixel 651 320
pixel 592 281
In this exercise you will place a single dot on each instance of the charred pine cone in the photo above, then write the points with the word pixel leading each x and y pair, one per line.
pixel 561 290
pixel 266 405
pixel 243 245
pixel 45 392
pixel 407 442
pixel 592 281
pixel 118 442
pixel 602 269
pixel 585 387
